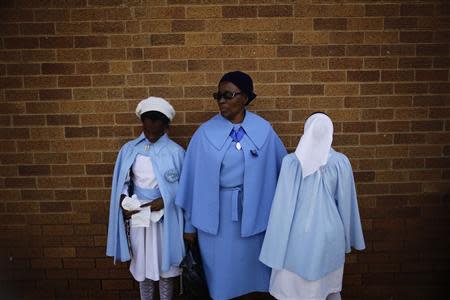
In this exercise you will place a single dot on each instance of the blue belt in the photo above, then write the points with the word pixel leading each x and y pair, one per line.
pixel 234 201
pixel 146 194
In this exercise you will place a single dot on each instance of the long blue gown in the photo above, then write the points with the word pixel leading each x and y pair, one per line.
pixel 230 261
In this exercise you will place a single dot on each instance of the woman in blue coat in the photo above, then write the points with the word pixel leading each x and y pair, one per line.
pixel 226 190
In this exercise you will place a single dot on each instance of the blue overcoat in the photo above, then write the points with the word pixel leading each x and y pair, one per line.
pixel 198 192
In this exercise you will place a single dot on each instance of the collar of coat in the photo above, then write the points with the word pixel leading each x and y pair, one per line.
pixel 218 129
pixel 156 146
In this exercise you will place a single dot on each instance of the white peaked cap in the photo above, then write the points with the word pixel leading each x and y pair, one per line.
pixel 155 104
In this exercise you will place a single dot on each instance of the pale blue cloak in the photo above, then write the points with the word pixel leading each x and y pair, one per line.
pixel 314 220
pixel 167 159
pixel 198 191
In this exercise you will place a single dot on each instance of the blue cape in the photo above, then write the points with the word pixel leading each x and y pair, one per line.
pixel 167 159
pixel 198 192
pixel 314 220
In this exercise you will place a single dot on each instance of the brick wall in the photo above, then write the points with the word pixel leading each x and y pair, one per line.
pixel 71 73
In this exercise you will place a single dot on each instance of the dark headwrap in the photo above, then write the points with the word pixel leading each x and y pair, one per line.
pixel 243 81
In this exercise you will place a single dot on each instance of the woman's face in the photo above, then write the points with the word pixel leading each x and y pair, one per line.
pixel 232 109
pixel 153 129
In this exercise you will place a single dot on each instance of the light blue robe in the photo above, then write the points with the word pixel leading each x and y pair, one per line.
pixel 227 194
pixel 167 159
pixel 314 220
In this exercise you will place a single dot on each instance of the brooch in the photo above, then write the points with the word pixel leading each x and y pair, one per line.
pixel 171 175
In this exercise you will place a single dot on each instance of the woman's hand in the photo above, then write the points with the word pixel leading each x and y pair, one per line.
pixel 190 237
pixel 126 213
pixel 155 205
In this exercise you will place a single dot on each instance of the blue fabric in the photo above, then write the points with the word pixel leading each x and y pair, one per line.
pixel 199 190
pixel 167 159
pixel 314 220
pixel 230 261
pixel 237 134
pixel 146 194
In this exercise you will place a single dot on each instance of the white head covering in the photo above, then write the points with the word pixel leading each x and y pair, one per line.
pixel 315 143
pixel 155 104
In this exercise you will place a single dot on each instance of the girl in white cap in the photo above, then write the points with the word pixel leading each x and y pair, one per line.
pixel 314 218
pixel 144 224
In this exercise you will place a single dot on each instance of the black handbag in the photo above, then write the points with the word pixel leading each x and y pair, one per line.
pixel 193 276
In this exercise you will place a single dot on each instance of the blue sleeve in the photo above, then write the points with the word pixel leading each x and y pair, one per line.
pixel 117 245
pixel 347 205
pixel 282 212
pixel 186 185
pixel 280 151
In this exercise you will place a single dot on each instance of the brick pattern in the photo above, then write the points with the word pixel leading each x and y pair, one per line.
pixel 71 73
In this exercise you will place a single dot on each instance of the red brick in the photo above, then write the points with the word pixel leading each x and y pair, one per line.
pixel 395 101
pixel 20 182
pixel 398 50
pixel 307 89
pixel 37 28
pixel 167 39
pixel 397 75
pixel 409 138
pixel 381 63
pixel 275 11
pixel 363 50
pixel 15 15
pixel 330 24
pixel 333 50
pixel 411 88
pixel 382 10
pixel 432 75
pixel 432 50
pixel 11 82
pixel 14 133
pixel 55 207
pixel 58 68
pixel 345 63
pixel 400 23
pixel 439 88
pixel 363 76
pixel 239 11
pixel 365 24
pixel 417 10
pixel 23 69
pixel 413 62
pixel 377 114
pixel 376 89
pixel 333 10
pixel 74 81
pixel 362 102
pixel 9 29
pixel 328 76
pixel 108 80
pixel 239 38
pixel 275 38
pixel 187 25
pixel 359 126
pixel 347 37
pixel 21 43
pixel 394 126
pixel 381 37
pixel 416 37
pixel 73 28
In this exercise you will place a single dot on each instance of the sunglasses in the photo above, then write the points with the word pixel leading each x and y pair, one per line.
pixel 225 95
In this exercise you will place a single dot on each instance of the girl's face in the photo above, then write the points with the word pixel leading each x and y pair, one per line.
pixel 153 128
